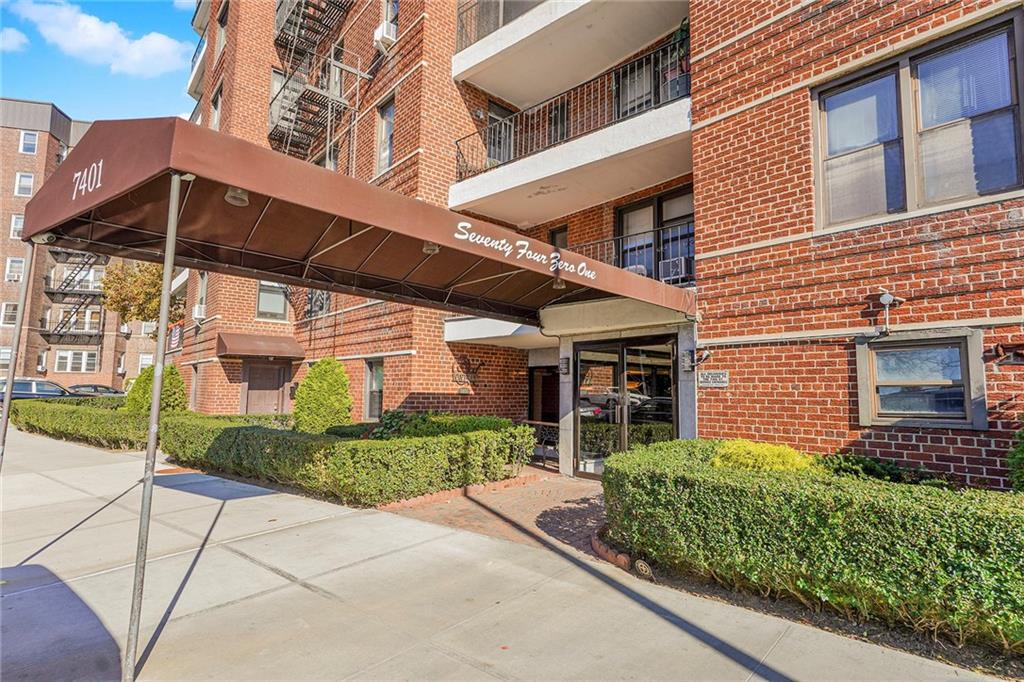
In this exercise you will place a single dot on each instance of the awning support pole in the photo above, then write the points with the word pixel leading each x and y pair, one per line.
pixel 12 368
pixel 131 644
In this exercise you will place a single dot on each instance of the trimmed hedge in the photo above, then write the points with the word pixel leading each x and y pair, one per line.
pixel 77 420
pixel 357 472
pixel 942 561
pixel 322 399
pixel 172 392
pixel 401 424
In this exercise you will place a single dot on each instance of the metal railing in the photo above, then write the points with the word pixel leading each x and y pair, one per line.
pixel 665 254
pixel 478 19
pixel 199 51
pixel 654 79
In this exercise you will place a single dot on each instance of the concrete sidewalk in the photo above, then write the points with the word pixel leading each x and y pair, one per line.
pixel 248 583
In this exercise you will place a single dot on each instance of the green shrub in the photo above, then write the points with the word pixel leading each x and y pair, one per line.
pixel 357 472
pixel 744 454
pixel 78 421
pixel 322 399
pixel 846 464
pixel 1015 460
pixel 106 402
pixel 172 392
pixel 942 561
pixel 604 437
pixel 350 431
pixel 402 424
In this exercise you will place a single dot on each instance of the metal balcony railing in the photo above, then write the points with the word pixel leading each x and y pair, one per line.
pixel 665 254
pixel 652 80
pixel 479 18
pixel 199 52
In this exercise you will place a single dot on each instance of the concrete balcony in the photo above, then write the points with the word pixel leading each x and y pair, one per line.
pixel 626 129
pixel 195 78
pixel 525 51
pixel 201 17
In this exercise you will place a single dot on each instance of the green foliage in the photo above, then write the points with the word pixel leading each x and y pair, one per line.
pixel 350 431
pixel 938 560
pixel 604 437
pixel 322 399
pixel 1015 460
pixel 112 402
pixel 78 420
pixel 744 454
pixel 357 472
pixel 400 424
pixel 846 464
pixel 132 290
pixel 172 393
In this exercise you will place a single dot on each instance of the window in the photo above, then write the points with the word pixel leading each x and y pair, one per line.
pixel 29 142
pixel 17 225
pixel 203 284
pixel 76 361
pixel 120 363
pixel 933 378
pixel 24 184
pixel 656 237
pixel 558 122
pixel 215 109
pixel 499 133
pixel 385 135
pixel 15 269
pixel 328 160
pixel 49 388
pixel 5 360
pixel 222 31
pixel 391 13
pixel 9 314
pixel 937 125
pixel 276 96
pixel 272 301
pixel 374 395
pixel 148 327
pixel 145 360
pixel 82 320
pixel 559 237
pixel 317 302
pixel 41 361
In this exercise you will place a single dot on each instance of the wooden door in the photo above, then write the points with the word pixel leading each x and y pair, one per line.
pixel 264 387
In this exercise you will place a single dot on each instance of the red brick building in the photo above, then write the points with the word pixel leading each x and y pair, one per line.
pixel 789 160
pixel 70 338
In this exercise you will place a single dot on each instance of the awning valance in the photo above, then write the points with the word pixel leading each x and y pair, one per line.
pixel 253 212
pixel 233 345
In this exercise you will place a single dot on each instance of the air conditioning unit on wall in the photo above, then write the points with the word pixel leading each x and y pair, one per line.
pixel 385 36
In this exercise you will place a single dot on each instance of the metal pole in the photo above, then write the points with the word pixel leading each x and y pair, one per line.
pixel 131 644
pixel 12 369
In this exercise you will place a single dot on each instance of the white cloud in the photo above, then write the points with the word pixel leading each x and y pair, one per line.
pixel 12 40
pixel 185 4
pixel 95 41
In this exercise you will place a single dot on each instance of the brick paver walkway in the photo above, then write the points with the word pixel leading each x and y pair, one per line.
pixel 551 511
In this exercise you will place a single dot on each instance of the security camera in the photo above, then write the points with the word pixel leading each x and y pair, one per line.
pixel 886 299
pixel 44 238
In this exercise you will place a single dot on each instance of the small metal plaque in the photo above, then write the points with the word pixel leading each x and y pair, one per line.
pixel 713 378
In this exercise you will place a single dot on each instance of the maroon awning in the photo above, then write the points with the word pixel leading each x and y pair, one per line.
pixel 307 226
pixel 231 345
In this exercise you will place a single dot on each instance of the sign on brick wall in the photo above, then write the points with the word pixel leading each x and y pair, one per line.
pixel 713 378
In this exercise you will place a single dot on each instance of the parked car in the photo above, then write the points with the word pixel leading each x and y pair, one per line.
pixel 38 388
pixel 652 411
pixel 98 390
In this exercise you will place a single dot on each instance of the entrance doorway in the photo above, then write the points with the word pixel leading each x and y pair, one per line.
pixel 625 395
pixel 544 394
pixel 263 383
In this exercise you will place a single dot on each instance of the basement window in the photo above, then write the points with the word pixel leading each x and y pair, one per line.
pixel 932 378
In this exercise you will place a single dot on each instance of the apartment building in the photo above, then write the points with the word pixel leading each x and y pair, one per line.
pixel 839 183
pixel 70 338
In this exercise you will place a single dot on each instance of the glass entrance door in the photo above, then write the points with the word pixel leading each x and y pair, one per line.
pixel 625 396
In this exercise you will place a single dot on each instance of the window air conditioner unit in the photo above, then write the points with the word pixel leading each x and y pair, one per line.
pixel 199 312
pixel 41 369
pixel 385 36
pixel 673 270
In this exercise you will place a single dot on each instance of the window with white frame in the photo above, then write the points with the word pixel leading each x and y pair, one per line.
pixel 41 361
pixel 272 301
pixel 17 225
pixel 222 30
pixel 5 359
pixel 385 135
pixel 148 327
pixel 215 109
pixel 938 125
pixel 24 183
pixel 15 269
pixel 373 398
pixel 29 142
pixel 9 314
pixel 391 13
pixel 145 360
pixel 930 378
pixel 82 320
pixel 76 361
pixel 120 363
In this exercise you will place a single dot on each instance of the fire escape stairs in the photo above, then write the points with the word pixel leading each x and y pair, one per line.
pixel 70 291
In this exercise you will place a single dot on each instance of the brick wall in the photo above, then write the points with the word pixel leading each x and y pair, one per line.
pixel 754 190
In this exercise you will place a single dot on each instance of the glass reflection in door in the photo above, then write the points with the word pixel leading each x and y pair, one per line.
pixel 649 380
pixel 600 433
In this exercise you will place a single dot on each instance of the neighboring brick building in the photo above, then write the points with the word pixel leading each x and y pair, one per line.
pixel 70 338
pixel 804 175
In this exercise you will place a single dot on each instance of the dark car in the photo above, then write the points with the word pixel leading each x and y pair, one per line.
pixel 38 388
pixel 652 410
pixel 97 390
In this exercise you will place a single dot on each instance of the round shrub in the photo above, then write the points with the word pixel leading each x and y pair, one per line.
pixel 745 454
pixel 172 393
pixel 322 399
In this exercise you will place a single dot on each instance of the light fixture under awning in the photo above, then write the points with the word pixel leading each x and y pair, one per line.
pixel 307 226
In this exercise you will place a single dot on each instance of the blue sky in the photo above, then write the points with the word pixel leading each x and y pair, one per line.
pixel 96 60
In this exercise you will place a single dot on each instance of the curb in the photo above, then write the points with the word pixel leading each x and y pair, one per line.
pixel 466 491
pixel 606 552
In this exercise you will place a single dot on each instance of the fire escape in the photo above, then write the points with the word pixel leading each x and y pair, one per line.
pixel 320 90
pixel 77 292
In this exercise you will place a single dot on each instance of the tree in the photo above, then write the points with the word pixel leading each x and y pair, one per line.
pixel 322 399
pixel 132 290
pixel 172 393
